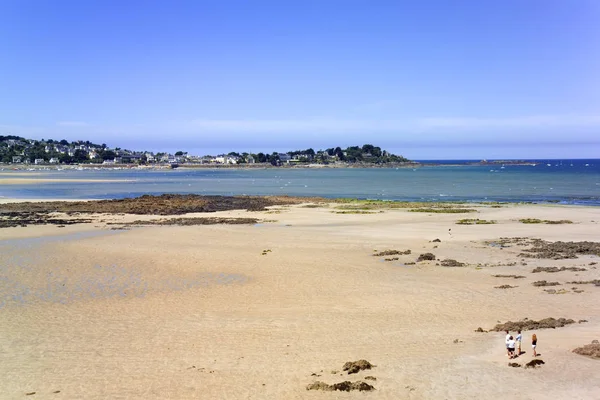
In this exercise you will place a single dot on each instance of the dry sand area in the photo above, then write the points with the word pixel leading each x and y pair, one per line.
pixel 263 310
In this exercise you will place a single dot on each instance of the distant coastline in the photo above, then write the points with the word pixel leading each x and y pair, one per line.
pixel 354 165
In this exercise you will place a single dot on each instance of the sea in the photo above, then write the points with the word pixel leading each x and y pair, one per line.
pixel 574 182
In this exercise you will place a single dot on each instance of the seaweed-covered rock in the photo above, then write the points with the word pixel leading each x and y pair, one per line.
pixel 545 283
pixel 528 324
pixel 354 366
pixel 345 386
pixel 590 350
pixel 534 363
pixel 448 262
pixel 556 269
pixel 426 257
pixel 391 253
pixel 561 250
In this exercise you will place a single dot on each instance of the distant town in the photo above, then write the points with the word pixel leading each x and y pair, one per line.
pixel 18 150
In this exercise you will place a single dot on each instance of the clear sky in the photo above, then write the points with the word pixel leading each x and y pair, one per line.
pixel 426 79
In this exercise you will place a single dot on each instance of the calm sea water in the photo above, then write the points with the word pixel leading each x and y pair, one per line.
pixel 563 181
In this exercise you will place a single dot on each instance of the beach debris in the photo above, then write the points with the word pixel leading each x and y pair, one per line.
pixel 345 386
pixel 30 393
pixel 436 240
pixel 556 269
pixel 455 341
pixel 426 257
pixel 529 324
pixel 505 287
pixel 509 276
pixel 448 262
pixel 355 366
pixel 370 378
pixel 534 363
pixel 391 259
pixel 590 350
pixel 480 330
pixel 545 283
pixel 265 252
pixel 391 253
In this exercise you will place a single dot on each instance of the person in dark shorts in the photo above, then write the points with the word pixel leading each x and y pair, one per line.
pixel 534 344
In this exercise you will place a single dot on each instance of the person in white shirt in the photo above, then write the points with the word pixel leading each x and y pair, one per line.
pixel 511 347
pixel 506 342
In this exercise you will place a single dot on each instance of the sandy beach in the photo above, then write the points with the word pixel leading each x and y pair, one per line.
pixel 262 310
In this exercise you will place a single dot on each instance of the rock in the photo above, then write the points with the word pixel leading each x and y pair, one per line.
pixel 534 363
pixel 514 365
pixel 426 257
pixel 590 350
pixel 354 366
pixel 451 263
pixel 345 386
pixel 527 324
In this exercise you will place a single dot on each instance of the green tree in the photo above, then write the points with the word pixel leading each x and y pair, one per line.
pixel 80 156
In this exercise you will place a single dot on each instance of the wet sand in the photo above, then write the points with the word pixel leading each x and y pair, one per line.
pixel 253 311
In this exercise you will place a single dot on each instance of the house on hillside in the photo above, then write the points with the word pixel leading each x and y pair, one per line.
pixel 39 161
pixel 250 159
pixel 54 160
pixel 17 159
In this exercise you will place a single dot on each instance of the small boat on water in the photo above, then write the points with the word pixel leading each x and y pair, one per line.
pixel 174 165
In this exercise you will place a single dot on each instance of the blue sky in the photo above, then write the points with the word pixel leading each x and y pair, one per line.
pixel 426 79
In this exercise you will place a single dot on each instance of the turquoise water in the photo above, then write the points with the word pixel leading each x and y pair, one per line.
pixel 569 182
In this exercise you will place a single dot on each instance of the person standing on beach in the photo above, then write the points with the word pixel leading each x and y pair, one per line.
pixel 534 344
pixel 519 338
pixel 510 346
pixel 508 337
